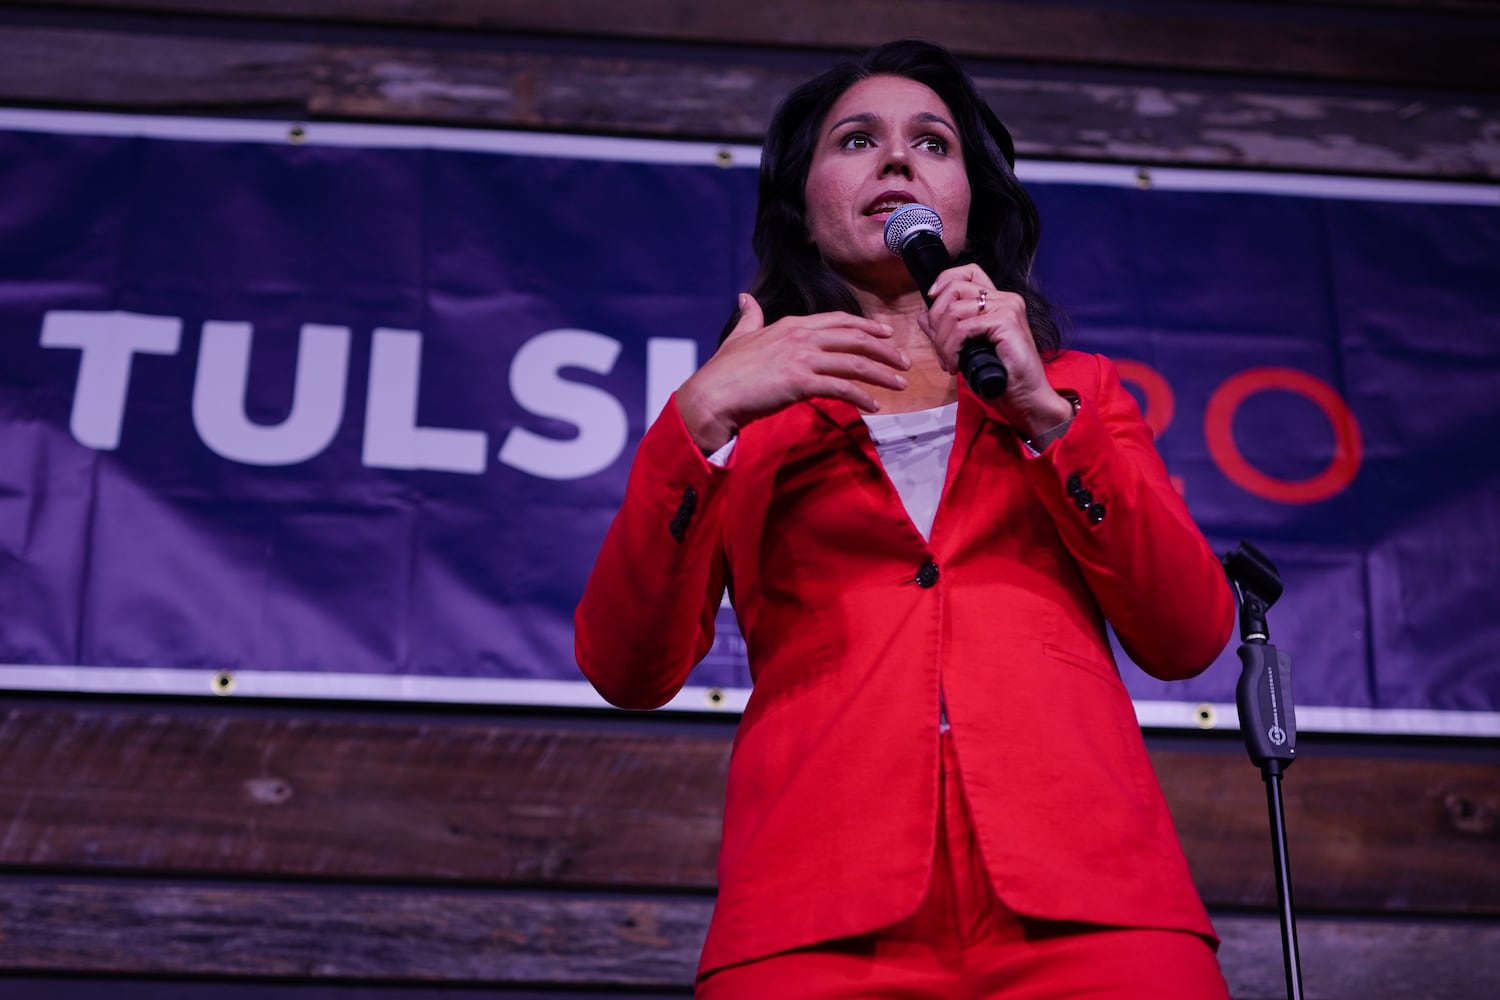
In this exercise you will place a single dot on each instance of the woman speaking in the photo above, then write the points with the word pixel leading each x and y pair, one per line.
pixel 939 787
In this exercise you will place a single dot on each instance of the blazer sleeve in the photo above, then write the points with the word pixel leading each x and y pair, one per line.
pixel 647 612
pixel 1148 565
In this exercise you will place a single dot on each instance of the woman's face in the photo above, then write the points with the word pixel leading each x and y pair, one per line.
pixel 887 142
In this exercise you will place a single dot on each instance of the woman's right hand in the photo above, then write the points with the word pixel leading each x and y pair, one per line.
pixel 762 369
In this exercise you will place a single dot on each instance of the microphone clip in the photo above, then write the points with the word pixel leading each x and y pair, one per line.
pixel 1264 693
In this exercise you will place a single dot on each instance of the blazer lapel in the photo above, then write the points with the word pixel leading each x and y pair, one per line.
pixel 845 417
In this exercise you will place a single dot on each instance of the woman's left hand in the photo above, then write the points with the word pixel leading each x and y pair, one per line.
pixel 965 304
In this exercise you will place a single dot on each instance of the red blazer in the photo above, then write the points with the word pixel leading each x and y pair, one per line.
pixel 854 622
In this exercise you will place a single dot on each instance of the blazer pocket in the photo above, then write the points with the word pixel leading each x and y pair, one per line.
pixel 1098 665
pixel 1106 735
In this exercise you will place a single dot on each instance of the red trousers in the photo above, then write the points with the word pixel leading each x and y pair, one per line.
pixel 963 944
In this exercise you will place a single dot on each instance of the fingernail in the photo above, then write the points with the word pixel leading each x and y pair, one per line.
pixel 905 360
pixel 900 382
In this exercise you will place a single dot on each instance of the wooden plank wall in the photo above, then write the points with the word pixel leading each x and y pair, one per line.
pixel 186 849
pixel 1382 88
pixel 326 844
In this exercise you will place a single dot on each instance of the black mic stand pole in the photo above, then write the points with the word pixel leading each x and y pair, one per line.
pixel 1267 721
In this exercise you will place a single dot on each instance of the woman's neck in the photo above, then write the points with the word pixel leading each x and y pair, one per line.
pixel 927 385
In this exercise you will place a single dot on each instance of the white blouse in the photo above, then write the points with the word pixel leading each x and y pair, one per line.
pixel 914 449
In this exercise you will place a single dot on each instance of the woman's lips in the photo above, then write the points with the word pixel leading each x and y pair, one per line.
pixel 888 202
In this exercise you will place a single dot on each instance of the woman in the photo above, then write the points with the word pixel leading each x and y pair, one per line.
pixel 939 787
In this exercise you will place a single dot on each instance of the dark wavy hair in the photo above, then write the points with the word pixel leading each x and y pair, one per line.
pixel 1003 223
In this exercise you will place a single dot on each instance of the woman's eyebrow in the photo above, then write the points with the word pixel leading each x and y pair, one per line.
pixel 869 117
pixel 930 116
pixel 863 118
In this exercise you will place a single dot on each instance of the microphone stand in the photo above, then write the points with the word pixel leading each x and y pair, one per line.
pixel 1267 720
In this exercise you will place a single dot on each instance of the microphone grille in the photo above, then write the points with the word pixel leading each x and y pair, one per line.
pixel 907 221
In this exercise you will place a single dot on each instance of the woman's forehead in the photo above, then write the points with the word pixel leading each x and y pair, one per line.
pixel 889 98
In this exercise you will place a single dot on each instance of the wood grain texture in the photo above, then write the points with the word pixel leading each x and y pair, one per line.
pixel 1245 127
pixel 1050 119
pixel 1368 833
pixel 686 97
pixel 630 95
pixel 1408 43
pixel 334 798
pixel 1362 959
pixel 154 72
pixel 415 935
pixel 337 932
pixel 349 799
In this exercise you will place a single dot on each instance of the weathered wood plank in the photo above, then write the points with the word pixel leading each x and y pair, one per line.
pixel 70 986
pixel 358 799
pixel 111 790
pixel 338 932
pixel 630 95
pixel 1373 832
pixel 1458 6
pixel 98 69
pixel 1407 45
pixel 1051 119
pixel 416 935
pixel 1248 128
pixel 1353 959
pixel 683 97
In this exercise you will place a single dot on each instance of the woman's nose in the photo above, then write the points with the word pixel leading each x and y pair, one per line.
pixel 895 162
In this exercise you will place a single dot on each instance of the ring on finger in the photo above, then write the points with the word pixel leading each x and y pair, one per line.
pixel 984 295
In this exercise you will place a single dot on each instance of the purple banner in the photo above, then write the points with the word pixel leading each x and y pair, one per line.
pixel 349 417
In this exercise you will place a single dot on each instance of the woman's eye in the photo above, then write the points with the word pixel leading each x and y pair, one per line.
pixel 932 144
pixel 857 140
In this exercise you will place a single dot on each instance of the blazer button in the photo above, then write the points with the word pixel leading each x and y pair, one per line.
pixel 684 514
pixel 1096 513
pixel 927 574
pixel 1083 498
pixel 1075 483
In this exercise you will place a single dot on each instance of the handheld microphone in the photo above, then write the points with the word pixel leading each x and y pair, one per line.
pixel 915 234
